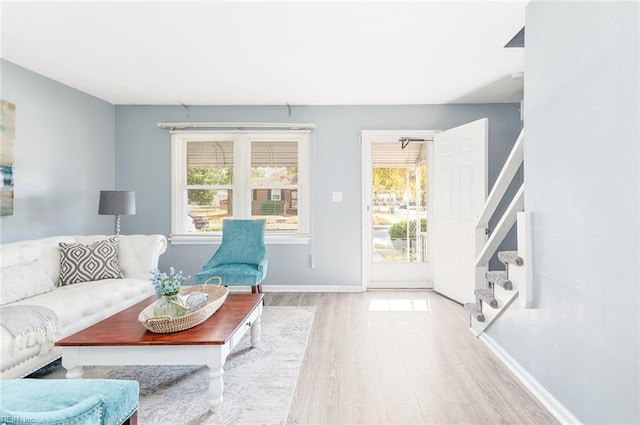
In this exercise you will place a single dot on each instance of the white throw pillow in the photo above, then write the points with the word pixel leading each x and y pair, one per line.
pixel 25 280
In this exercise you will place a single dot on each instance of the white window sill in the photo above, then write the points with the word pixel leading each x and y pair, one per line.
pixel 215 239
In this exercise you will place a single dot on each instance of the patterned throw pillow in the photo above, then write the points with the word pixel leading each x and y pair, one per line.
pixel 84 263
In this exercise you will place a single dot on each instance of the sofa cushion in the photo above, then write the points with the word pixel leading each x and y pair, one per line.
pixel 85 263
pixel 46 250
pixel 24 280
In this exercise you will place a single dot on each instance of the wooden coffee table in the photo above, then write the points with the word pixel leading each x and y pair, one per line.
pixel 122 340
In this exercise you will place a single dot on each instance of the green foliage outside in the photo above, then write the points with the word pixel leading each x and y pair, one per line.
pixel 270 208
pixel 390 180
pixel 394 180
pixel 399 230
pixel 206 176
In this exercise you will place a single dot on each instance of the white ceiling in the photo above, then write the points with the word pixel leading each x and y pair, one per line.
pixel 259 53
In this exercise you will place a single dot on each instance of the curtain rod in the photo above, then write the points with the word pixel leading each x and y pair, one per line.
pixel 235 125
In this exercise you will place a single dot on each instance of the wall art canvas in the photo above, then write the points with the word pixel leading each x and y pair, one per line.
pixel 7 137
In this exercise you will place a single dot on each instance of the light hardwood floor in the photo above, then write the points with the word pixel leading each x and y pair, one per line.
pixel 401 367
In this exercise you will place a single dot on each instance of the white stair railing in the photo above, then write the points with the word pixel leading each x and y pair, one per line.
pixel 502 228
pixel 485 250
pixel 515 159
pixel 488 249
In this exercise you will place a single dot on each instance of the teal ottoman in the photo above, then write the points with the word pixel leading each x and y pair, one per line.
pixel 68 401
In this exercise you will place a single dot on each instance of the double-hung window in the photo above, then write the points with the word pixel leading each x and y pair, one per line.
pixel 222 174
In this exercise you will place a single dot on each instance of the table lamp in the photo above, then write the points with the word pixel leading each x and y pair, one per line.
pixel 117 202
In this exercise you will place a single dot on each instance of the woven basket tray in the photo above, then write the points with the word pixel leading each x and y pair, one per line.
pixel 165 324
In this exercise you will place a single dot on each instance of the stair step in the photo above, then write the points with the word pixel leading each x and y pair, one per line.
pixel 475 310
pixel 510 257
pixel 499 278
pixel 486 295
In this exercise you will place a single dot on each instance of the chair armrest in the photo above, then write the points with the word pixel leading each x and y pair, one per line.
pixel 87 411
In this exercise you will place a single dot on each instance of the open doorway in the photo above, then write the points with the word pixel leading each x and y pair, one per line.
pixel 396 166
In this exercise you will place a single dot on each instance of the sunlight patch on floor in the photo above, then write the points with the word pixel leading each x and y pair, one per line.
pixel 423 306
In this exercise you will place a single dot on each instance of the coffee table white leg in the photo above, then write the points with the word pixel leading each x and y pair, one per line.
pixel 215 361
pixel 70 356
pixel 256 331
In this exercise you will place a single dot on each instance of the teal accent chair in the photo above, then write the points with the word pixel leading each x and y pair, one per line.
pixel 241 259
pixel 69 401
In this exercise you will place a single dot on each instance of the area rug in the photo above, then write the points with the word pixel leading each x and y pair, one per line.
pixel 258 382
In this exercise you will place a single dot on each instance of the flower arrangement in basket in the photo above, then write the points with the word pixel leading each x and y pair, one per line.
pixel 188 306
pixel 171 303
pixel 167 284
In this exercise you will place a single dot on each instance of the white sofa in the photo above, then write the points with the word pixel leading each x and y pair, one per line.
pixel 79 305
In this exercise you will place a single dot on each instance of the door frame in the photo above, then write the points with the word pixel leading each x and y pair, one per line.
pixel 368 137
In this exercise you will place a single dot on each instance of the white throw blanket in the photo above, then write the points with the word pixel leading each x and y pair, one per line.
pixel 30 325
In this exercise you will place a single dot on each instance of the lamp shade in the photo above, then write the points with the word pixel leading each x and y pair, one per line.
pixel 117 202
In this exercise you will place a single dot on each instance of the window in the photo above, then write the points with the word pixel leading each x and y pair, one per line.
pixel 276 194
pixel 218 175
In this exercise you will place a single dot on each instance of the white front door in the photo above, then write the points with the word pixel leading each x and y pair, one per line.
pixel 459 192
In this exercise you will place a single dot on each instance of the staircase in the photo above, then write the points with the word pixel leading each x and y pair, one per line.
pixel 498 294
pixel 497 289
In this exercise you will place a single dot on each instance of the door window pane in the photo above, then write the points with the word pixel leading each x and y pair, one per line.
pixel 399 203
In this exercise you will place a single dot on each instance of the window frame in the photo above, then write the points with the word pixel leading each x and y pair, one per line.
pixel 241 187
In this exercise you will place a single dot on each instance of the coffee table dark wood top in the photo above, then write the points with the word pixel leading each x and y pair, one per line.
pixel 124 329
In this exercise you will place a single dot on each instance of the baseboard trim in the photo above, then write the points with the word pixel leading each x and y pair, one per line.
pixel 400 285
pixel 311 288
pixel 552 404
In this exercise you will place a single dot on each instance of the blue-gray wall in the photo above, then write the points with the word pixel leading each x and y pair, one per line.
pixel 582 161
pixel 64 155
pixel 68 144
pixel 143 164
